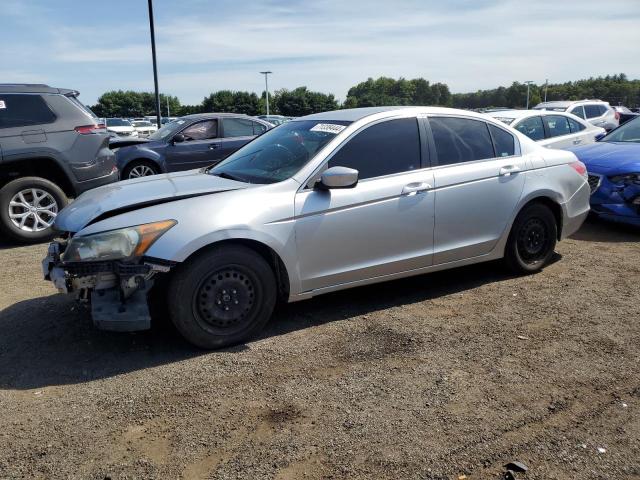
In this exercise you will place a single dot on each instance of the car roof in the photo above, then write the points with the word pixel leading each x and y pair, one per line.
pixel 567 103
pixel 518 114
pixel 355 114
pixel 199 116
pixel 35 88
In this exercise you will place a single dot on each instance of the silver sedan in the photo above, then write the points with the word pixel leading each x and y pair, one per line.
pixel 322 203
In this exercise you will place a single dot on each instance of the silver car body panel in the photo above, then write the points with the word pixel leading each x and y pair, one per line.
pixel 387 227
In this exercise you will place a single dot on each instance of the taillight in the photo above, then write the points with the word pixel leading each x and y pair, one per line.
pixel 88 129
pixel 579 167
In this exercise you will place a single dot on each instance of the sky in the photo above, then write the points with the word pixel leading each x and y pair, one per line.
pixel 328 45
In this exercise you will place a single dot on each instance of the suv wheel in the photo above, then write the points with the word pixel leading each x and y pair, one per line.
pixel 139 168
pixel 222 297
pixel 28 208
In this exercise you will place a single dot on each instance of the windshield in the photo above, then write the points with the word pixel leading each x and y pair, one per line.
pixel 167 130
pixel 117 122
pixel 628 132
pixel 279 153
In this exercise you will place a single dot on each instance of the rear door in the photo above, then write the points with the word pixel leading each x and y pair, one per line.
pixel 595 114
pixel 558 132
pixel 237 132
pixel 478 181
pixel 383 225
pixel 580 133
pixel 200 148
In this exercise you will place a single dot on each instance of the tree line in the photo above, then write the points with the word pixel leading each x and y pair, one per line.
pixel 616 89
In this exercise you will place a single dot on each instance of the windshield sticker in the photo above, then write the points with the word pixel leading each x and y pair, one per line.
pixel 328 128
pixel 2 104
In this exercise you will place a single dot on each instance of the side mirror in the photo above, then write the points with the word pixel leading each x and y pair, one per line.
pixel 178 138
pixel 600 136
pixel 338 177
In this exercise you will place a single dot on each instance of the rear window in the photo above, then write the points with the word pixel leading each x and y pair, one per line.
pixel 460 140
pixel 82 106
pixel 557 125
pixel 503 142
pixel 593 111
pixel 23 111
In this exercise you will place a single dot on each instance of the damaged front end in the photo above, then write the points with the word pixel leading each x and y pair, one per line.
pixel 110 272
pixel 618 198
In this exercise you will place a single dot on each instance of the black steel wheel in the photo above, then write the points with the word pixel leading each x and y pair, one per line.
pixel 222 296
pixel 532 239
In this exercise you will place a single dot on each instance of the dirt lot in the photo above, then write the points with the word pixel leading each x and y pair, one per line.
pixel 432 377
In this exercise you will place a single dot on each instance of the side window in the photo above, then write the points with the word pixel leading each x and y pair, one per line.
pixel 592 111
pixel 202 130
pixel 603 109
pixel 24 110
pixel 382 149
pixel 258 128
pixel 578 111
pixel 575 126
pixel 557 125
pixel 460 140
pixel 238 127
pixel 532 128
pixel 503 142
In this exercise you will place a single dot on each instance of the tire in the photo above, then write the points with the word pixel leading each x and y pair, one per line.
pixel 532 239
pixel 26 225
pixel 144 168
pixel 222 297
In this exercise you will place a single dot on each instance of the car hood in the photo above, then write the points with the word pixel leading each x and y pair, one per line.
pixel 120 197
pixel 609 157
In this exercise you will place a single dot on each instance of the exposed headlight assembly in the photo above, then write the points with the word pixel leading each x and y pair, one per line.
pixel 626 178
pixel 116 244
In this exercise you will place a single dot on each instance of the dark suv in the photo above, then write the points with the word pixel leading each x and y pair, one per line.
pixel 189 142
pixel 51 148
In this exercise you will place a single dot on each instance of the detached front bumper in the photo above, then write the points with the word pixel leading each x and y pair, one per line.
pixel 116 290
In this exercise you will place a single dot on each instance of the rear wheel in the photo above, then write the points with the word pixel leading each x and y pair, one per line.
pixel 28 208
pixel 532 239
pixel 139 168
pixel 222 297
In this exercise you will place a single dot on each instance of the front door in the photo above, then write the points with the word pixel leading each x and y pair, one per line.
pixel 201 147
pixel 479 180
pixel 382 226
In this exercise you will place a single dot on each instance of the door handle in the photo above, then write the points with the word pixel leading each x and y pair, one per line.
pixel 415 188
pixel 508 170
pixel 213 146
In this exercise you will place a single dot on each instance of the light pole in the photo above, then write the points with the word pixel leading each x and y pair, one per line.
pixel 168 112
pixel 528 82
pixel 155 65
pixel 546 86
pixel 266 85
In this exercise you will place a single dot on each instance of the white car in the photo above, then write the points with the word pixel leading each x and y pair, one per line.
pixel 144 128
pixel 121 127
pixel 551 129
pixel 596 112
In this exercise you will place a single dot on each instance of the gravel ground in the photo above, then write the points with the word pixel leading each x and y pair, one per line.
pixel 434 377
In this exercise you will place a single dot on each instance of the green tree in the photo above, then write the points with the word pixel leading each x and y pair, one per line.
pixel 388 91
pixel 301 101
pixel 119 103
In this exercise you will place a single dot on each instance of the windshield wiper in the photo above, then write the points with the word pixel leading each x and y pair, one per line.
pixel 230 176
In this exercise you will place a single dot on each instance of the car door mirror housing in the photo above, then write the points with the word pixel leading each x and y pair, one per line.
pixel 338 177
pixel 178 138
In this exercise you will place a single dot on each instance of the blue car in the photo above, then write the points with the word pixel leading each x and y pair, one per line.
pixel 613 165
pixel 187 143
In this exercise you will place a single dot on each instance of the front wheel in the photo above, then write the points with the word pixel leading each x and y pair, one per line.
pixel 532 239
pixel 139 168
pixel 222 297
pixel 28 208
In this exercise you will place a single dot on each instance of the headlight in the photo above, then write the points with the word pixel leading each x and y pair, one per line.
pixel 116 244
pixel 626 178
